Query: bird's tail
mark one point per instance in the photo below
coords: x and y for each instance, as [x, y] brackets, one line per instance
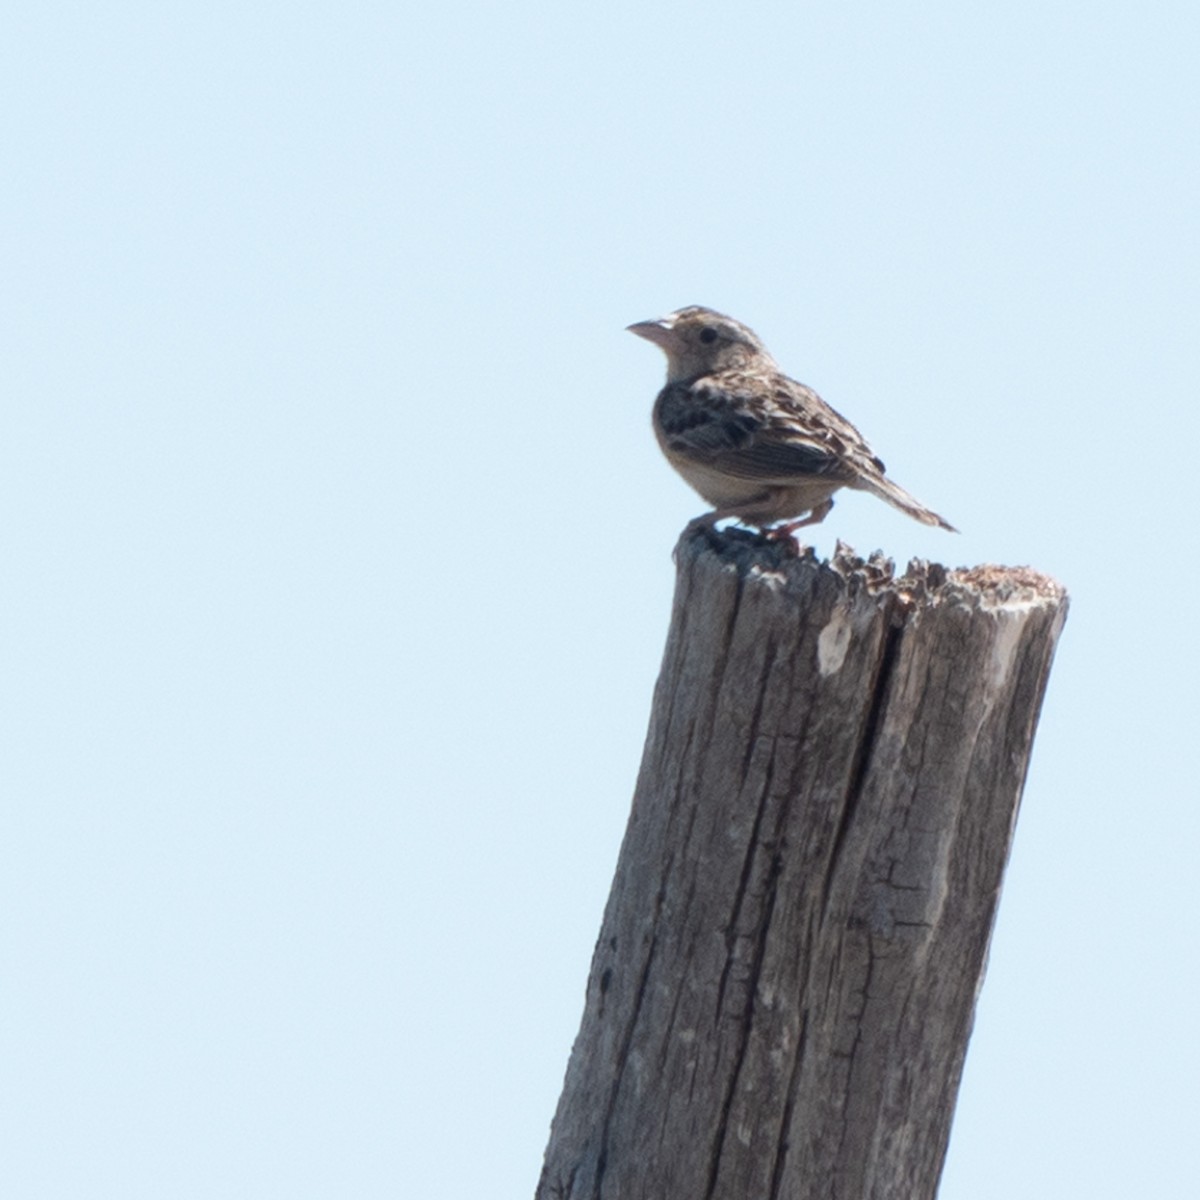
[896, 496]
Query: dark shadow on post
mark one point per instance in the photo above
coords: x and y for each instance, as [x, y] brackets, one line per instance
[784, 983]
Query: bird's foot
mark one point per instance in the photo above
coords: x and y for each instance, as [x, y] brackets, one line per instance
[815, 517]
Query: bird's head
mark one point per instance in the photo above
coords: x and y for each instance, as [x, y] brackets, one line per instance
[698, 341]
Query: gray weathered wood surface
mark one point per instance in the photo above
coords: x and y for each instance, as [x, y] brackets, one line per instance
[783, 987]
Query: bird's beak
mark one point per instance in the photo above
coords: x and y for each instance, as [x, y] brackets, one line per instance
[659, 332]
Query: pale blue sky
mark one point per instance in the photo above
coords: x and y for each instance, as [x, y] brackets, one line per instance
[337, 547]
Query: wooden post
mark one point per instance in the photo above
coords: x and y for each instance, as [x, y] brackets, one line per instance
[784, 983]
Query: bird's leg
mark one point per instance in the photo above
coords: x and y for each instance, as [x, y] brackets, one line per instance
[709, 519]
[815, 517]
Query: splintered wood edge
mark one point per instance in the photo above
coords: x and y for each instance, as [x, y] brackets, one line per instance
[989, 585]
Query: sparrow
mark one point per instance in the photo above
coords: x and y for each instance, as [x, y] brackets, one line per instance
[754, 443]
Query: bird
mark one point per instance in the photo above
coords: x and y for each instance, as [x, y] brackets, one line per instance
[753, 442]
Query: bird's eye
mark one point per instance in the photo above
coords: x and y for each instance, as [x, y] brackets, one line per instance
[708, 335]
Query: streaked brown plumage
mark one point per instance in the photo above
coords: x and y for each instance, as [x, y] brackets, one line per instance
[755, 444]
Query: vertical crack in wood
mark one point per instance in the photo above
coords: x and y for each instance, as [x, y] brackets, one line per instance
[724, 646]
[789, 1108]
[880, 686]
[851, 1057]
[623, 1056]
[747, 1021]
[760, 700]
[752, 848]
[774, 846]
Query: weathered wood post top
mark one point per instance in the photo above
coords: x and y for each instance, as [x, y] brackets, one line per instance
[783, 987]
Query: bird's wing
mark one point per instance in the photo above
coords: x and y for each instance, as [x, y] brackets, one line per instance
[760, 427]
[799, 407]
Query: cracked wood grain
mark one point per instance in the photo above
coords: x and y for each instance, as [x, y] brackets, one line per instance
[783, 987]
